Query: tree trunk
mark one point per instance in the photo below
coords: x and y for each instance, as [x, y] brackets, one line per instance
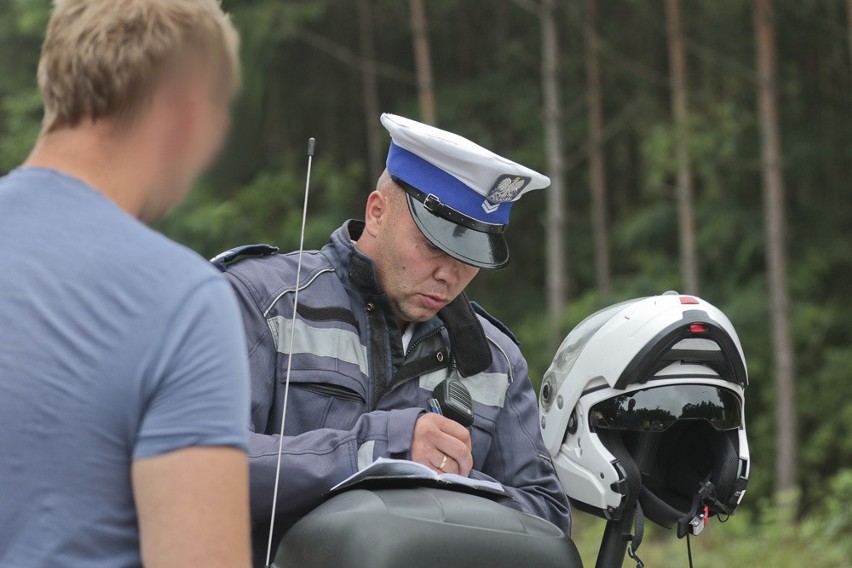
[423, 62]
[369, 88]
[849, 27]
[786, 443]
[686, 216]
[556, 264]
[597, 174]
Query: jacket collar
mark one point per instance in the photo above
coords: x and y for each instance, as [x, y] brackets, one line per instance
[356, 267]
[468, 343]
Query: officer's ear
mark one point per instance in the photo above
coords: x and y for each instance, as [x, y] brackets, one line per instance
[378, 206]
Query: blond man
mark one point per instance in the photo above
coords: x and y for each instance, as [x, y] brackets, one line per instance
[123, 379]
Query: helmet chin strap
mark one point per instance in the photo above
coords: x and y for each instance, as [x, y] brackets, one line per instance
[690, 524]
[694, 521]
[637, 536]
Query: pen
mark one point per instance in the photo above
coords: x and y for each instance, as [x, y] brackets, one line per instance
[435, 406]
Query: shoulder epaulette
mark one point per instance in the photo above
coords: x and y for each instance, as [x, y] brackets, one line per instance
[497, 323]
[225, 259]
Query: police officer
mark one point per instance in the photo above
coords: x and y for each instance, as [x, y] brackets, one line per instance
[382, 319]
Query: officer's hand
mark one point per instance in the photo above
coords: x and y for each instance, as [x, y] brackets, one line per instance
[442, 444]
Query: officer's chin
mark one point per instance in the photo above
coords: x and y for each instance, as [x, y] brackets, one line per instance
[420, 319]
[418, 315]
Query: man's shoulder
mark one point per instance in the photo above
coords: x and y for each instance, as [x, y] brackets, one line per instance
[494, 328]
[166, 263]
[267, 275]
[269, 269]
[505, 347]
[88, 236]
[230, 257]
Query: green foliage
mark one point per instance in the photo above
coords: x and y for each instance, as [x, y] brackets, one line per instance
[21, 28]
[22, 112]
[266, 209]
[759, 537]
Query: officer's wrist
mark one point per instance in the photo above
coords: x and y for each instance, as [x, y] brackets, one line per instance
[401, 430]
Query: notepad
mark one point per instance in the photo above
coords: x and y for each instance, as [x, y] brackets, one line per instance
[391, 473]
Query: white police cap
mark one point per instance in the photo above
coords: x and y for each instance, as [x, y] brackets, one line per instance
[459, 193]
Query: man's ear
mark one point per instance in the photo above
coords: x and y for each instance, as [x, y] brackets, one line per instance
[177, 113]
[377, 208]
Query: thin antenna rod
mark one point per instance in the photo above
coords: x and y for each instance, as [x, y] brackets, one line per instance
[312, 143]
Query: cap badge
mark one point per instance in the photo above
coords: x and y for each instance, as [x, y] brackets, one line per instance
[506, 188]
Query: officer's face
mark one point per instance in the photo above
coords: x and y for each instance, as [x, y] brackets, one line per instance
[418, 278]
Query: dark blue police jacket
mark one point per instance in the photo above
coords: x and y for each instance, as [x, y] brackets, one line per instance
[355, 395]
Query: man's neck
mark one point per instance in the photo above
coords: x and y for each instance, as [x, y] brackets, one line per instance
[95, 156]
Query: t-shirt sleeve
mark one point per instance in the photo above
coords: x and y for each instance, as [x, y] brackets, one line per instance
[199, 392]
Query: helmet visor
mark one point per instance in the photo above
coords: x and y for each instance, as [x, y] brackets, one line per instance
[657, 409]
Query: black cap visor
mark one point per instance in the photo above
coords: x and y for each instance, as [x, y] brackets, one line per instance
[477, 248]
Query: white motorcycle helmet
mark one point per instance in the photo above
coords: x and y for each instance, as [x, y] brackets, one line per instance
[644, 404]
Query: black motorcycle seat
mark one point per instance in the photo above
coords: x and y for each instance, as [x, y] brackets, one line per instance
[422, 527]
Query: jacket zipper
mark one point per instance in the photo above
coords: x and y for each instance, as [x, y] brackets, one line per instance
[377, 379]
[420, 340]
[434, 332]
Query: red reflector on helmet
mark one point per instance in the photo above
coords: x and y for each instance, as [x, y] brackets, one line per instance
[697, 328]
[688, 300]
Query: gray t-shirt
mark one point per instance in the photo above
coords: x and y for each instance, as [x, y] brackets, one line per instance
[115, 344]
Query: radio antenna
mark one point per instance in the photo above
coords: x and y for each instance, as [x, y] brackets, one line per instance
[312, 143]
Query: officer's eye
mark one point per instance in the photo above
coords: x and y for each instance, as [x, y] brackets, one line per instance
[431, 247]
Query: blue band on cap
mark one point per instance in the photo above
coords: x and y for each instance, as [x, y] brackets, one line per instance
[429, 178]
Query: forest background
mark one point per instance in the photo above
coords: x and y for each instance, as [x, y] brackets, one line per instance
[699, 146]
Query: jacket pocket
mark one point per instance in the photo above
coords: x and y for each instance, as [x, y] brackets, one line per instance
[323, 399]
[335, 391]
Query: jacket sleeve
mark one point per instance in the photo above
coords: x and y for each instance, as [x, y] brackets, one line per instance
[312, 462]
[518, 458]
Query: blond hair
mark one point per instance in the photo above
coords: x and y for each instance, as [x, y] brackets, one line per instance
[105, 58]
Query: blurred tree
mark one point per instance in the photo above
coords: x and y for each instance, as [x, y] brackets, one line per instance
[597, 170]
[369, 89]
[849, 28]
[786, 440]
[557, 285]
[423, 62]
[685, 206]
